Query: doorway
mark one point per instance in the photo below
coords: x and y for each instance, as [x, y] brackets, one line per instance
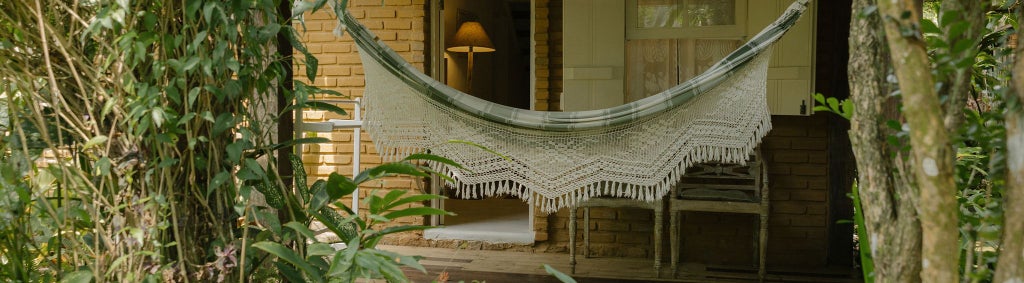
[502, 75]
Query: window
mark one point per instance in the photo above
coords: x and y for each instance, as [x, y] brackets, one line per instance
[613, 57]
[670, 41]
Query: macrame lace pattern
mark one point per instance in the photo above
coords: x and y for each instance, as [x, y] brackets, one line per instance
[640, 159]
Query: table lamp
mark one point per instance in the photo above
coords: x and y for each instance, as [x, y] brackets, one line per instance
[471, 38]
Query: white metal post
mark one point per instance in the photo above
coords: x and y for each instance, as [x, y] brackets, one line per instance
[356, 124]
[356, 151]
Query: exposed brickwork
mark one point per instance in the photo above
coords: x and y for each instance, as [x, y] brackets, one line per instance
[555, 54]
[541, 51]
[548, 49]
[797, 156]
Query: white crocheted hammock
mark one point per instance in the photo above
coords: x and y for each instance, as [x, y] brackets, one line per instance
[555, 159]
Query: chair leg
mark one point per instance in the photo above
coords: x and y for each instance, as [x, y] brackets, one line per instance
[673, 239]
[658, 216]
[762, 247]
[586, 232]
[572, 240]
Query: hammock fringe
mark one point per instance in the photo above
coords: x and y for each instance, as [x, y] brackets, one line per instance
[603, 187]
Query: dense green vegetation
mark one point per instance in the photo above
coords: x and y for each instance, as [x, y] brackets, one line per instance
[933, 84]
[140, 146]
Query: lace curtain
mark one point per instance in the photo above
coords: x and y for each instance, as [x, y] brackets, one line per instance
[654, 65]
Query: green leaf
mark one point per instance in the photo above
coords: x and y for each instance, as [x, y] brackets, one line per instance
[94, 141]
[339, 186]
[318, 90]
[399, 229]
[218, 180]
[833, 103]
[272, 195]
[411, 261]
[103, 166]
[251, 170]
[311, 67]
[208, 11]
[81, 276]
[893, 124]
[318, 196]
[294, 142]
[413, 199]
[390, 197]
[480, 147]
[224, 122]
[191, 63]
[893, 141]
[558, 274]
[929, 27]
[268, 218]
[108, 106]
[320, 249]
[434, 158]
[343, 227]
[847, 109]
[193, 94]
[301, 229]
[963, 45]
[299, 176]
[956, 30]
[415, 211]
[325, 106]
[820, 98]
[289, 256]
[289, 272]
[949, 17]
[383, 264]
[185, 118]
[268, 31]
[344, 260]
[301, 7]
[378, 218]
[388, 169]
[234, 151]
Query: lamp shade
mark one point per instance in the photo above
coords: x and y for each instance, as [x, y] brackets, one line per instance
[471, 34]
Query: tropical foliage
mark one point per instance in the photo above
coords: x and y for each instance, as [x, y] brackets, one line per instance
[969, 54]
[140, 143]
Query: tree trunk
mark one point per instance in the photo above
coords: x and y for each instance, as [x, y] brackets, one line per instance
[956, 85]
[932, 151]
[1011, 259]
[889, 215]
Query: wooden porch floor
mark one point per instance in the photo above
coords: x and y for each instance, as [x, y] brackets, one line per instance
[509, 266]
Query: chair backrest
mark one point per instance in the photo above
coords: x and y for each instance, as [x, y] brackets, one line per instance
[725, 181]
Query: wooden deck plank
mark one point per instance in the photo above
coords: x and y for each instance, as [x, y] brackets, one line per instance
[524, 267]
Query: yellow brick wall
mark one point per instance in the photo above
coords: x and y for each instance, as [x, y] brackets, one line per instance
[548, 50]
[400, 23]
[555, 55]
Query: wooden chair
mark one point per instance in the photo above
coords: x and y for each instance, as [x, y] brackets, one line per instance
[729, 188]
[658, 207]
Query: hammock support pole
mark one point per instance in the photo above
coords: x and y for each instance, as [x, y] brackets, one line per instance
[356, 124]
